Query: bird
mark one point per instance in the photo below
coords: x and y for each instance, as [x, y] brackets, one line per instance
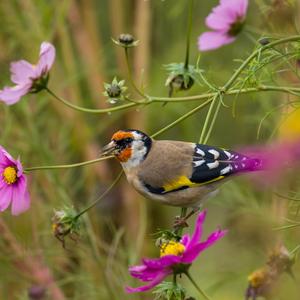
[176, 173]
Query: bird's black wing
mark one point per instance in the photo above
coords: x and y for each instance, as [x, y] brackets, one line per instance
[211, 164]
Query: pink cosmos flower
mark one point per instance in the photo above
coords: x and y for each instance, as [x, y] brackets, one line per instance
[28, 77]
[226, 20]
[13, 184]
[175, 257]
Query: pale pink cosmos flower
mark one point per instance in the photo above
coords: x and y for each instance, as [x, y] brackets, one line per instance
[27, 76]
[13, 184]
[175, 257]
[226, 20]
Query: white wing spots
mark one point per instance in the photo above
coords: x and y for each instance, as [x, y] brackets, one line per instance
[236, 157]
[198, 163]
[225, 170]
[227, 153]
[244, 158]
[214, 152]
[236, 166]
[213, 165]
[243, 165]
[200, 152]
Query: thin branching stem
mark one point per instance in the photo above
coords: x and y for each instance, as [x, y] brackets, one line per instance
[237, 73]
[213, 121]
[101, 196]
[130, 76]
[196, 286]
[75, 165]
[207, 119]
[188, 35]
[89, 110]
[185, 116]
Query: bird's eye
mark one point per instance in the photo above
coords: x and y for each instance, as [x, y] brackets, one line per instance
[128, 140]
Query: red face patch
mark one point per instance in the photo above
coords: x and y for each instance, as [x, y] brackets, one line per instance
[124, 155]
[120, 135]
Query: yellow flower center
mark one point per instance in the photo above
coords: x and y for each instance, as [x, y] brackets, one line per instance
[10, 175]
[257, 278]
[171, 248]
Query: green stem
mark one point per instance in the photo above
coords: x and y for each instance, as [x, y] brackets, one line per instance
[101, 196]
[89, 110]
[201, 139]
[295, 250]
[174, 278]
[196, 286]
[130, 75]
[261, 88]
[188, 36]
[84, 163]
[191, 112]
[213, 121]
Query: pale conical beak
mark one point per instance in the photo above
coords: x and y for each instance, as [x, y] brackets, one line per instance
[108, 149]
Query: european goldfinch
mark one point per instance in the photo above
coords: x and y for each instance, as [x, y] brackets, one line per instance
[174, 172]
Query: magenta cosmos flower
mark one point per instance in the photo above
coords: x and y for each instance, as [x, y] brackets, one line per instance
[226, 20]
[28, 77]
[13, 184]
[175, 257]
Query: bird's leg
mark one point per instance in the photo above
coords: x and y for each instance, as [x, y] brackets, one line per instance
[180, 221]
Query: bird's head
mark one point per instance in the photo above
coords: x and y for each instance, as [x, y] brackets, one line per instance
[129, 146]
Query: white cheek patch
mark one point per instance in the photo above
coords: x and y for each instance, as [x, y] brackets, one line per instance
[138, 153]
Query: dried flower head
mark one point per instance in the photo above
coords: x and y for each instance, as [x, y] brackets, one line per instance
[65, 223]
[260, 283]
[280, 259]
[115, 90]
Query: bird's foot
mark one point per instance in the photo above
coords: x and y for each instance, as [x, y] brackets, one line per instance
[180, 222]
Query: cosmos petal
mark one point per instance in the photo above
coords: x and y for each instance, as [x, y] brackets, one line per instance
[5, 197]
[11, 95]
[21, 72]
[192, 253]
[213, 39]
[20, 197]
[198, 229]
[162, 262]
[47, 57]
[160, 277]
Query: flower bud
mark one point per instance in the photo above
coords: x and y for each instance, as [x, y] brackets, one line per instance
[181, 77]
[115, 90]
[126, 40]
[264, 41]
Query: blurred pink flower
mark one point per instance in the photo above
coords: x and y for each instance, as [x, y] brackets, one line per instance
[276, 160]
[226, 20]
[176, 257]
[28, 77]
[13, 184]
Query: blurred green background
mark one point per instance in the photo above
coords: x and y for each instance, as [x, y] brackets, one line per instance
[118, 232]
